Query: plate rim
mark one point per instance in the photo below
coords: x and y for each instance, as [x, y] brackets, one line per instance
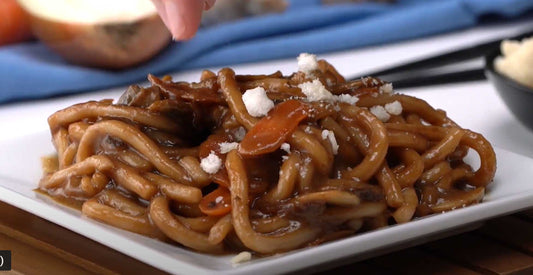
[285, 262]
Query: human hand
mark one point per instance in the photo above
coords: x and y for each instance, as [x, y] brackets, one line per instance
[182, 17]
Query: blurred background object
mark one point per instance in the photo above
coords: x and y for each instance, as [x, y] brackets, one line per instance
[510, 70]
[105, 34]
[14, 25]
[231, 10]
[516, 61]
[329, 2]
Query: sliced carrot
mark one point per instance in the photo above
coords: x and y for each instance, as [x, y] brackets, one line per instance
[221, 177]
[272, 131]
[212, 144]
[216, 203]
[14, 25]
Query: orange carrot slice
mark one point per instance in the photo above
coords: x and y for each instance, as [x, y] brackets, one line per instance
[216, 203]
[272, 131]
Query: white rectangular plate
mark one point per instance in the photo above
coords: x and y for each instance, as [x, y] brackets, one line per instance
[20, 171]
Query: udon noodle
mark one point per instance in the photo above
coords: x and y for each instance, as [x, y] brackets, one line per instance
[189, 163]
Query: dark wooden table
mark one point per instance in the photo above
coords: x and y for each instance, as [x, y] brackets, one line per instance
[501, 246]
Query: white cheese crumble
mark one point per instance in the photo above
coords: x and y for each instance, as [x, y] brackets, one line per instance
[225, 147]
[307, 63]
[241, 257]
[350, 99]
[286, 147]
[325, 134]
[386, 88]
[257, 102]
[380, 112]
[219, 199]
[330, 136]
[394, 108]
[211, 164]
[315, 91]
[365, 81]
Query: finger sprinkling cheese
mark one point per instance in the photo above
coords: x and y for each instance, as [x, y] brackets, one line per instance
[394, 108]
[211, 164]
[380, 112]
[257, 102]
[307, 63]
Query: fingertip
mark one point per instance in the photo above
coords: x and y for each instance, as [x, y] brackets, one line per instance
[182, 34]
[160, 7]
[183, 18]
[209, 4]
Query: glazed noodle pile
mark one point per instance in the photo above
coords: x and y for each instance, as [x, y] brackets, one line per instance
[220, 165]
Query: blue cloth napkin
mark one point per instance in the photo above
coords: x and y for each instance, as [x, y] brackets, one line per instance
[31, 71]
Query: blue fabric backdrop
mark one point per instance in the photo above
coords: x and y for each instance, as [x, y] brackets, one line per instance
[30, 70]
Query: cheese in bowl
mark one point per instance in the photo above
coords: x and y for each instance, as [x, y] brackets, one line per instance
[516, 61]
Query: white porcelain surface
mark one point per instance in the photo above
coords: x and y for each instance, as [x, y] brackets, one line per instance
[511, 191]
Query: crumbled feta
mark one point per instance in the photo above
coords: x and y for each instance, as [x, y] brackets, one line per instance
[225, 147]
[330, 136]
[286, 147]
[394, 108]
[211, 164]
[325, 134]
[257, 102]
[315, 91]
[307, 63]
[380, 112]
[386, 88]
[241, 257]
[365, 81]
[240, 133]
[350, 99]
